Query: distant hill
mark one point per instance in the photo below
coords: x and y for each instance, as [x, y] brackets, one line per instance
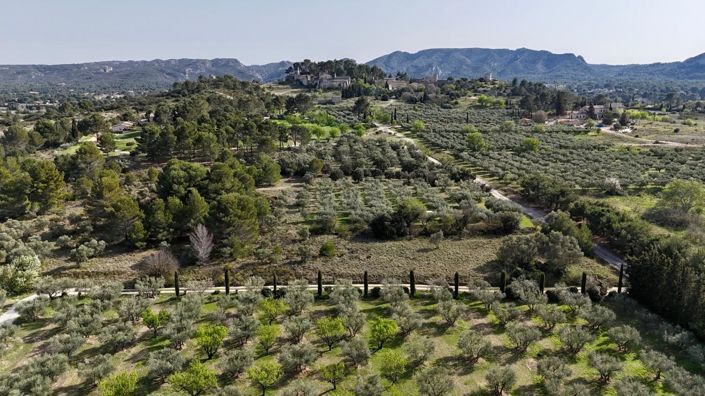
[446, 62]
[132, 75]
[530, 64]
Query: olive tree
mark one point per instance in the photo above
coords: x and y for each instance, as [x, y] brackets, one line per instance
[574, 338]
[450, 311]
[298, 297]
[522, 335]
[236, 361]
[597, 316]
[355, 351]
[94, 369]
[606, 365]
[434, 382]
[418, 350]
[296, 327]
[631, 387]
[473, 346]
[500, 379]
[626, 337]
[163, 363]
[657, 362]
[370, 385]
[295, 357]
[550, 315]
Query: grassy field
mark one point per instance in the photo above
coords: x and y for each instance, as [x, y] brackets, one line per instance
[32, 338]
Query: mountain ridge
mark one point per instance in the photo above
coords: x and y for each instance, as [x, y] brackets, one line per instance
[134, 74]
[528, 63]
[503, 63]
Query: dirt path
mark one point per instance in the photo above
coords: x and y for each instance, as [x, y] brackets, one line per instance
[642, 142]
[11, 315]
[606, 255]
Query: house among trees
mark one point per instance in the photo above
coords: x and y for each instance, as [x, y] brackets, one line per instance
[393, 84]
[327, 81]
[122, 126]
[323, 80]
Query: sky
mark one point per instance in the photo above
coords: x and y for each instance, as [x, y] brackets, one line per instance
[262, 31]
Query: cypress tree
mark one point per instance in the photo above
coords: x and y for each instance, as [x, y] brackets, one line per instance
[226, 274]
[412, 283]
[176, 283]
[583, 283]
[320, 284]
[621, 276]
[542, 281]
[456, 284]
[275, 282]
[365, 284]
[502, 281]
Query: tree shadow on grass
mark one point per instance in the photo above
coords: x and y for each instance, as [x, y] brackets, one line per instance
[456, 363]
[152, 344]
[38, 333]
[77, 389]
[147, 386]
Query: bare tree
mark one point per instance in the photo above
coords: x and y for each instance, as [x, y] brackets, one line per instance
[162, 263]
[201, 243]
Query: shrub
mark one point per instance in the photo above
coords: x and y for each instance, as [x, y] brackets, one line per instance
[327, 249]
[19, 275]
[161, 264]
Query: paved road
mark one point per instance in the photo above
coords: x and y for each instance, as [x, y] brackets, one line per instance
[11, 314]
[606, 255]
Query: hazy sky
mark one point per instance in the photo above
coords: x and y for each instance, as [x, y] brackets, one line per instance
[261, 31]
